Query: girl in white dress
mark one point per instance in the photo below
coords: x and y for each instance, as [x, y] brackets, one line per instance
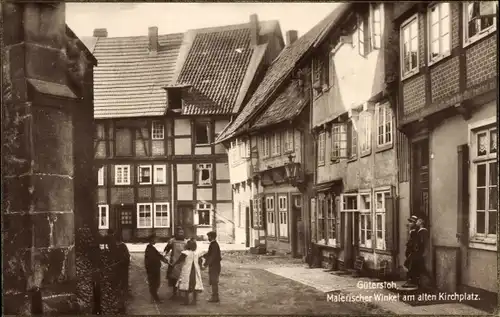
[190, 278]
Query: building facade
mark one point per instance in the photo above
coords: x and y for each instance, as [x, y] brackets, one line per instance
[157, 122]
[270, 146]
[447, 112]
[354, 209]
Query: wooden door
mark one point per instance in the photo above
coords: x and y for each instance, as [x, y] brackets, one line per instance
[126, 222]
[185, 219]
[348, 250]
[297, 227]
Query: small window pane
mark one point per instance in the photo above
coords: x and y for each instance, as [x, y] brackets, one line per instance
[480, 221]
[481, 199]
[493, 198]
[445, 43]
[492, 222]
[414, 29]
[493, 173]
[481, 175]
[493, 141]
[482, 144]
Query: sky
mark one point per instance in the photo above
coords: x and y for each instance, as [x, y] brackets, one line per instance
[133, 19]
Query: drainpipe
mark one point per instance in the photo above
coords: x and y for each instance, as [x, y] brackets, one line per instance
[172, 195]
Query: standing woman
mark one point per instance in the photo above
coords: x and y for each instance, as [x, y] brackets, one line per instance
[190, 278]
[176, 245]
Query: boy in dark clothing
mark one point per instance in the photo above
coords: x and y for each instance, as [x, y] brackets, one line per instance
[212, 260]
[410, 252]
[152, 262]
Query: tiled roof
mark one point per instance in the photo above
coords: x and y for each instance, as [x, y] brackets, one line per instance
[280, 69]
[286, 106]
[129, 80]
[217, 63]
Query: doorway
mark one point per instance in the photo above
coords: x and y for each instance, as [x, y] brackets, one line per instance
[350, 223]
[126, 222]
[185, 219]
[298, 230]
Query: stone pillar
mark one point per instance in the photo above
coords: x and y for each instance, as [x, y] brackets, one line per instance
[38, 160]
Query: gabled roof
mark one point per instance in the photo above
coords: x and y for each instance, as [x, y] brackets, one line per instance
[289, 104]
[219, 63]
[281, 69]
[129, 80]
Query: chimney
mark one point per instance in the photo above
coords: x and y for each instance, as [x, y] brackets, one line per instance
[254, 29]
[153, 38]
[100, 33]
[291, 36]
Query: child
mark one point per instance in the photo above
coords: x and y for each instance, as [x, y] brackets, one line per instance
[190, 278]
[212, 260]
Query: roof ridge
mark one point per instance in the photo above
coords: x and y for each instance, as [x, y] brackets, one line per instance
[228, 27]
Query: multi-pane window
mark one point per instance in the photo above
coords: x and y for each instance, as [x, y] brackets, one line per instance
[330, 219]
[204, 174]
[103, 211]
[271, 224]
[480, 19]
[365, 220]
[203, 214]
[339, 141]
[122, 175]
[484, 180]
[144, 215]
[439, 30]
[409, 46]
[363, 35]
[265, 145]
[258, 215]
[380, 208]
[321, 148]
[283, 216]
[384, 125]
[350, 202]
[276, 144]
[202, 133]
[160, 174]
[288, 136]
[321, 69]
[144, 174]
[100, 176]
[321, 219]
[162, 215]
[158, 130]
[376, 25]
[244, 149]
[365, 138]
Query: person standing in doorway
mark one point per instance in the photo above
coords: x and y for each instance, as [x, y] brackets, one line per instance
[410, 252]
[212, 260]
[152, 262]
[421, 251]
[190, 278]
[175, 246]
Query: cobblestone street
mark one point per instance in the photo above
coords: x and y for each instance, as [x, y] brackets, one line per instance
[245, 287]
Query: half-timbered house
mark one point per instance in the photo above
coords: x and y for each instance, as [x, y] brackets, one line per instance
[447, 97]
[160, 101]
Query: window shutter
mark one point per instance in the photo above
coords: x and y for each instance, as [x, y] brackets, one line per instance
[339, 229]
[463, 193]
[390, 232]
[247, 143]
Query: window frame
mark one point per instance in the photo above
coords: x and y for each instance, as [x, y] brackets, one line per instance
[321, 148]
[383, 213]
[100, 176]
[368, 215]
[330, 220]
[276, 144]
[321, 230]
[468, 40]
[365, 137]
[139, 216]
[374, 8]
[208, 130]
[283, 215]
[352, 140]
[484, 240]
[363, 33]
[444, 54]
[288, 146]
[99, 215]
[343, 202]
[386, 110]
[155, 167]
[139, 171]
[404, 25]
[153, 131]
[155, 216]
[203, 207]
[123, 182]
[199, 168]
[339, 137]
[266, 146]
[270, 212]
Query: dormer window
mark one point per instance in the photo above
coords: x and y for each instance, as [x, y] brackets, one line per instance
[174, 99]
[321, 67]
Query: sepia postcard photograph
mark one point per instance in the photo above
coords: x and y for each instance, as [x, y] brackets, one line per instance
[249, 158]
